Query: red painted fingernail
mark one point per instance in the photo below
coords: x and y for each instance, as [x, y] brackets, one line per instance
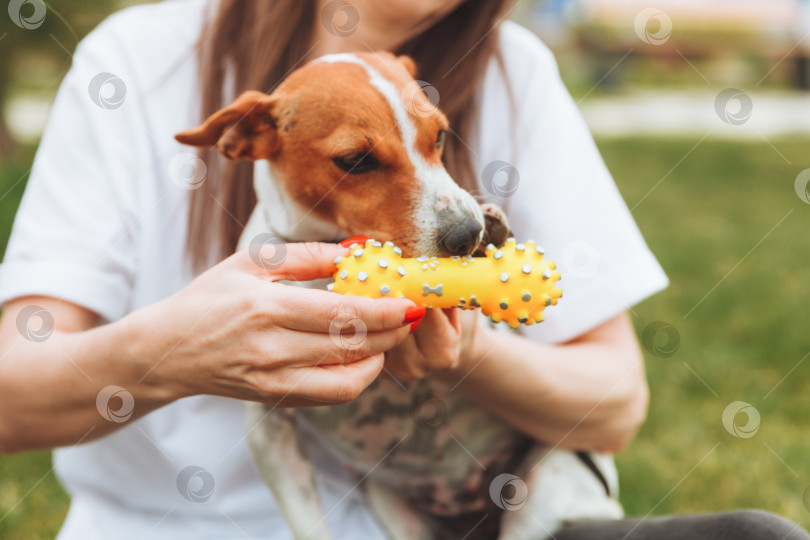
[415, 325]
[414, 313]
[354, 240]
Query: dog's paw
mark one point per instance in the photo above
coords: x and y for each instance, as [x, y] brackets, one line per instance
[496, 227]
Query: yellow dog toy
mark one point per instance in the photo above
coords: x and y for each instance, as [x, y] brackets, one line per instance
[512, 284]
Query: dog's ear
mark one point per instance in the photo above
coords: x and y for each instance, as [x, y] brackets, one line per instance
[409, 64]
[245, 129]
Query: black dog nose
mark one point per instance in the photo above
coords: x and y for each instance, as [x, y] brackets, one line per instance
[461, 239]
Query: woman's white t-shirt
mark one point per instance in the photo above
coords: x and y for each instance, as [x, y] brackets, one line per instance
[103, 224]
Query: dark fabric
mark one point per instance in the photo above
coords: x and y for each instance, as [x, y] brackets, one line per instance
[739, 525]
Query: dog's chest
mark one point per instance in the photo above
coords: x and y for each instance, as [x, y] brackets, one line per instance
[434, 446]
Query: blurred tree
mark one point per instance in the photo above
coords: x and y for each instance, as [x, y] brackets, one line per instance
[37, 40]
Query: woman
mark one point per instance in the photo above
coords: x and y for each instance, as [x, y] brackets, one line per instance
[112, 216]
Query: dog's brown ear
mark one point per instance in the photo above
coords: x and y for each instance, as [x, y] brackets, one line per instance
[408, 63]
[245, 129]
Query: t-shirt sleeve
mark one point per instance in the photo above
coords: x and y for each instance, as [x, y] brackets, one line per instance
[560, 194]
[74, 234]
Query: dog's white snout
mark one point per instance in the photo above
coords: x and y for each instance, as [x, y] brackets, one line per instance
[460, 220]
[452, 222]
[442, 202]
[447, 195]
[459, 202]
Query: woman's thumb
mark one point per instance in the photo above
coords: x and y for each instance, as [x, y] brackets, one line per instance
[295, 262]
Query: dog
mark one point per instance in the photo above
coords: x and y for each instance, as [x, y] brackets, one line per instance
[345, 149]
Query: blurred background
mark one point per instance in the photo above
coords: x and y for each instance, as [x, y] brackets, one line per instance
[702, 112]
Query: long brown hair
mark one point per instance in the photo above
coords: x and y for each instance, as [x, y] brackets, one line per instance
[257, 43]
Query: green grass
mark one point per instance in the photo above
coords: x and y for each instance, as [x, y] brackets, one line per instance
[13, 175]
[32, 501]
[701, 221]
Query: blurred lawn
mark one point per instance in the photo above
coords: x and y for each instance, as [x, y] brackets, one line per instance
[701, 221]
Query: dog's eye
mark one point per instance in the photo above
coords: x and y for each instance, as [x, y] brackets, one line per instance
[440, 139]
[357, 164]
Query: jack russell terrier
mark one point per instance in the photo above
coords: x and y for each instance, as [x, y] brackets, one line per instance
[339, 153]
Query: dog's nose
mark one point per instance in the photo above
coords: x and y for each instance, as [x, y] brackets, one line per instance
[462, 239]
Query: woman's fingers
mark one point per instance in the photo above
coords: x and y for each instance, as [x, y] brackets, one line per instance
[307, 349]
[330, 384]
[453, 317]
[310, 310]
[302, 261]
[403, 362]
[434, 346]
[435, 328]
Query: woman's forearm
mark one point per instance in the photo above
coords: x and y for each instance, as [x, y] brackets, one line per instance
[52, 392]
[587, 394]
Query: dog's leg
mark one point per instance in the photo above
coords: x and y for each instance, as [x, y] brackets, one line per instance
[394, 514]
[284, 466]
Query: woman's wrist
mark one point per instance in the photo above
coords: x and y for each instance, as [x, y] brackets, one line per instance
[141, 356]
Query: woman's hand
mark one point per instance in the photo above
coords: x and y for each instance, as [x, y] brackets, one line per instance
[235, 331]
[439, 344]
